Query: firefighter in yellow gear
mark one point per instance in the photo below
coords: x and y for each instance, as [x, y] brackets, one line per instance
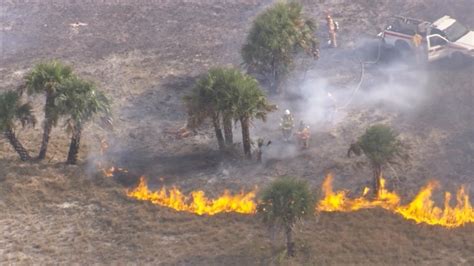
[287, 125]
[332, 29]
[417, 40]
[303, 135]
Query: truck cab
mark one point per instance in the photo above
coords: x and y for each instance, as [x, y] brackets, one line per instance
[445, 37]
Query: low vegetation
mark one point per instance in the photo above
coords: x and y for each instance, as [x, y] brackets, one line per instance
[283, 203]
[382, 146]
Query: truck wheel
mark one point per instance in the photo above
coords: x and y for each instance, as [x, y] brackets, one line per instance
[402, 46]
[404, 50]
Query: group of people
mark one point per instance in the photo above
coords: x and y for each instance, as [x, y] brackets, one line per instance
[287, 125]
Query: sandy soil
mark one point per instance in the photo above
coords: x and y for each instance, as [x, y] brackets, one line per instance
[146, 56]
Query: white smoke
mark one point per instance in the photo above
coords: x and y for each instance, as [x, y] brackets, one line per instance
[398, 86]
[332, 92]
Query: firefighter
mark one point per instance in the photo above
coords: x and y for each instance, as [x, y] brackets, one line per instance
[333, 27]
[417, 41]
[303, 135]
[287, 125]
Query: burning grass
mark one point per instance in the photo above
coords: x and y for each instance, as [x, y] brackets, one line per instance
[112, 170]
[196, 202]
[422, 209]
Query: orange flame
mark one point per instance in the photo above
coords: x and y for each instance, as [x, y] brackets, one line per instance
[112, 170]
[421, 209]
[338, 201]
[109, 172]
[197, 203]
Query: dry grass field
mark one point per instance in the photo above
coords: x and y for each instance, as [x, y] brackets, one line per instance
[146, 56]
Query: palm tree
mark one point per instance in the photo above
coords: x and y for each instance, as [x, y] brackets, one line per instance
[283, 203]
[225, 80]
[275, 37]
[380, 144]
[249, 102]
[79, 101]
[202, 103]
[226, 94]
[11, 110]
[213, 97]
[45, 78]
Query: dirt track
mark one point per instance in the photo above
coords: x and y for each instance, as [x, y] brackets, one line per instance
[146, 57]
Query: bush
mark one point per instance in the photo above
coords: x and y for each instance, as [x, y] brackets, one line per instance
[285, 202]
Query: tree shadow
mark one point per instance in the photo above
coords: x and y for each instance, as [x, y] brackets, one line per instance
[149, 144]
[161, 100]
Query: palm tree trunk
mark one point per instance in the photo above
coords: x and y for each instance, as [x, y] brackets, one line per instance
[47, 127]
[377, 178]
[273, 78]
[290, 246]
[277, 82]
[74, 146]
[10, 135]
[217, 129]
[227, 122]
[245, 123]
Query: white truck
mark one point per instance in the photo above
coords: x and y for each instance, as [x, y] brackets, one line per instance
[445, 37]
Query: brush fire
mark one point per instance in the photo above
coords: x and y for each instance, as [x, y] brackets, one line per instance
[422, 209]
[112, 170]
[196, 202]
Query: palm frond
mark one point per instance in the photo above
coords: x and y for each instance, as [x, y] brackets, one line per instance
[11, 109]
[24, 113]
[79, 100]
[46, 77]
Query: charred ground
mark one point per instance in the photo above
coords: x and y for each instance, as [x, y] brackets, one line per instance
[147, 56]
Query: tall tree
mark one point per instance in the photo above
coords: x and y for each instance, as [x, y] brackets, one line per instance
[226, 95]
[283, 203]
[250, 102]
[203, 103]
[224, 81]
[275, 37]
[381, 145]
[45, 78]
[11, 110]
[79, 101]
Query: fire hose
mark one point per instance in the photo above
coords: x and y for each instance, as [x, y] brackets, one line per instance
[362, 73]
